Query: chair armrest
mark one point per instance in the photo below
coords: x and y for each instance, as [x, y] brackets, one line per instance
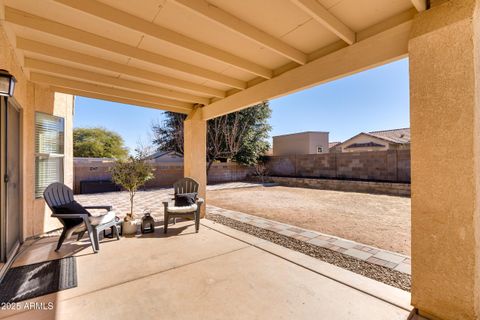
[165, 203]
[70, 216]
[108, 208]
[84, 217]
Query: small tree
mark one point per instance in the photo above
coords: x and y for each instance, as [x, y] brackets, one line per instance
[261, 169]
[131, 174]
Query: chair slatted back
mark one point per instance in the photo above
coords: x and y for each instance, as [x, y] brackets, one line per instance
[185, 185]
[57, 194]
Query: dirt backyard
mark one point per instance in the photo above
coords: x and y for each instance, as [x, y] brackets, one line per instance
[376, 220]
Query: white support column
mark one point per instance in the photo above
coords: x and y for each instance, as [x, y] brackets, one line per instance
[445, 123]
[195, 151]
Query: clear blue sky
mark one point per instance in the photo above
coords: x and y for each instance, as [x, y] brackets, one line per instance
[376, 99]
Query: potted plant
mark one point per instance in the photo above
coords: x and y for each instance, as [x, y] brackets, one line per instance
[131, 174]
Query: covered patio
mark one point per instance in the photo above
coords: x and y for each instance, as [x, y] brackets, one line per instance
[218, 273]
[210, 58]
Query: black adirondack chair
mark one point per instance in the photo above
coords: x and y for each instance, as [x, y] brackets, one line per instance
[184, 185]
[58, 194]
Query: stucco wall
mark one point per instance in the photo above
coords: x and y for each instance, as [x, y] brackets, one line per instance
[31, 97]
[444, 68]
[317, 139]
[300, 143]
[61, 105]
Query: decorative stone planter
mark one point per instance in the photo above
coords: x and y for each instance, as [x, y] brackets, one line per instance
[129, 227]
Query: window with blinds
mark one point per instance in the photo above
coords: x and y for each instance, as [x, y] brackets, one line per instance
[49, 151]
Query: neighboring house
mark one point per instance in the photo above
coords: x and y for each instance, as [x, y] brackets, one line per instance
[333, 147]
[309, 142]
[377, 141]
[166, 156]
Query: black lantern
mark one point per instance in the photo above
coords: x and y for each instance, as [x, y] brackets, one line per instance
[7, 83]
[148, 224]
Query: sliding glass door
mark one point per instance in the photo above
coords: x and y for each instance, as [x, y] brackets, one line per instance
[10, 187]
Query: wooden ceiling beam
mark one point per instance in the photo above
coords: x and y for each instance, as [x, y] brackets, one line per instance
[62, 70]
[376, 50]
[101, 89]
[124, 19]
[61, 30]
[32, 46]
[326, 19]
[226, 20]
[123, 100]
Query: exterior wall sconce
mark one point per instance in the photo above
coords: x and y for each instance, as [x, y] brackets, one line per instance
[7, 83]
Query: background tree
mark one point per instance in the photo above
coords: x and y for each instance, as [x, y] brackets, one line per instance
[168, 135]
[240, 136]
[98, 143]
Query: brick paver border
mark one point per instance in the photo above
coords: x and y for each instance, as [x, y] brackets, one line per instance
[354, 249]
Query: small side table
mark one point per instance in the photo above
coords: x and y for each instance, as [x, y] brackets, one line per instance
[118, 224]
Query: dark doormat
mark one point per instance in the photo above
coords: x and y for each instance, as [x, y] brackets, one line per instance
[34, 280]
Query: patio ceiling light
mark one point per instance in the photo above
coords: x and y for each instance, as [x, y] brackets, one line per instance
[7, 83]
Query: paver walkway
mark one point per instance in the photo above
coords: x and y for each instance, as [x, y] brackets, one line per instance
[151, 201]
[148, 200]
[357, 250]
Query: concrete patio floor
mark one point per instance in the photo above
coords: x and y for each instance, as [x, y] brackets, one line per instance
[151, 201]
[219, 273]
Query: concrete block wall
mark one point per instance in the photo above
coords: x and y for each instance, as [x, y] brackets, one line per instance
[166, 173]
[390, 165]
[375, 187]
[90, 170]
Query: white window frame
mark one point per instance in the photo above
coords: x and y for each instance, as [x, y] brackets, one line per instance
[42, 155]
[321, 149]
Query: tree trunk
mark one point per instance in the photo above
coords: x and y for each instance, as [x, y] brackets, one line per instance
[210, 162]
[131, 203]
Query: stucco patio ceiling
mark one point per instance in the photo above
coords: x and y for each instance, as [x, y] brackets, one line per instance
[221, 54]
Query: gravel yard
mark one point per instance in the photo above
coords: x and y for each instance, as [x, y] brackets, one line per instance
[377, 220]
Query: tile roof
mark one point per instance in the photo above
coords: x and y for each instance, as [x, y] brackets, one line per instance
[333, 144]
[395, 135]
[159, 154]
